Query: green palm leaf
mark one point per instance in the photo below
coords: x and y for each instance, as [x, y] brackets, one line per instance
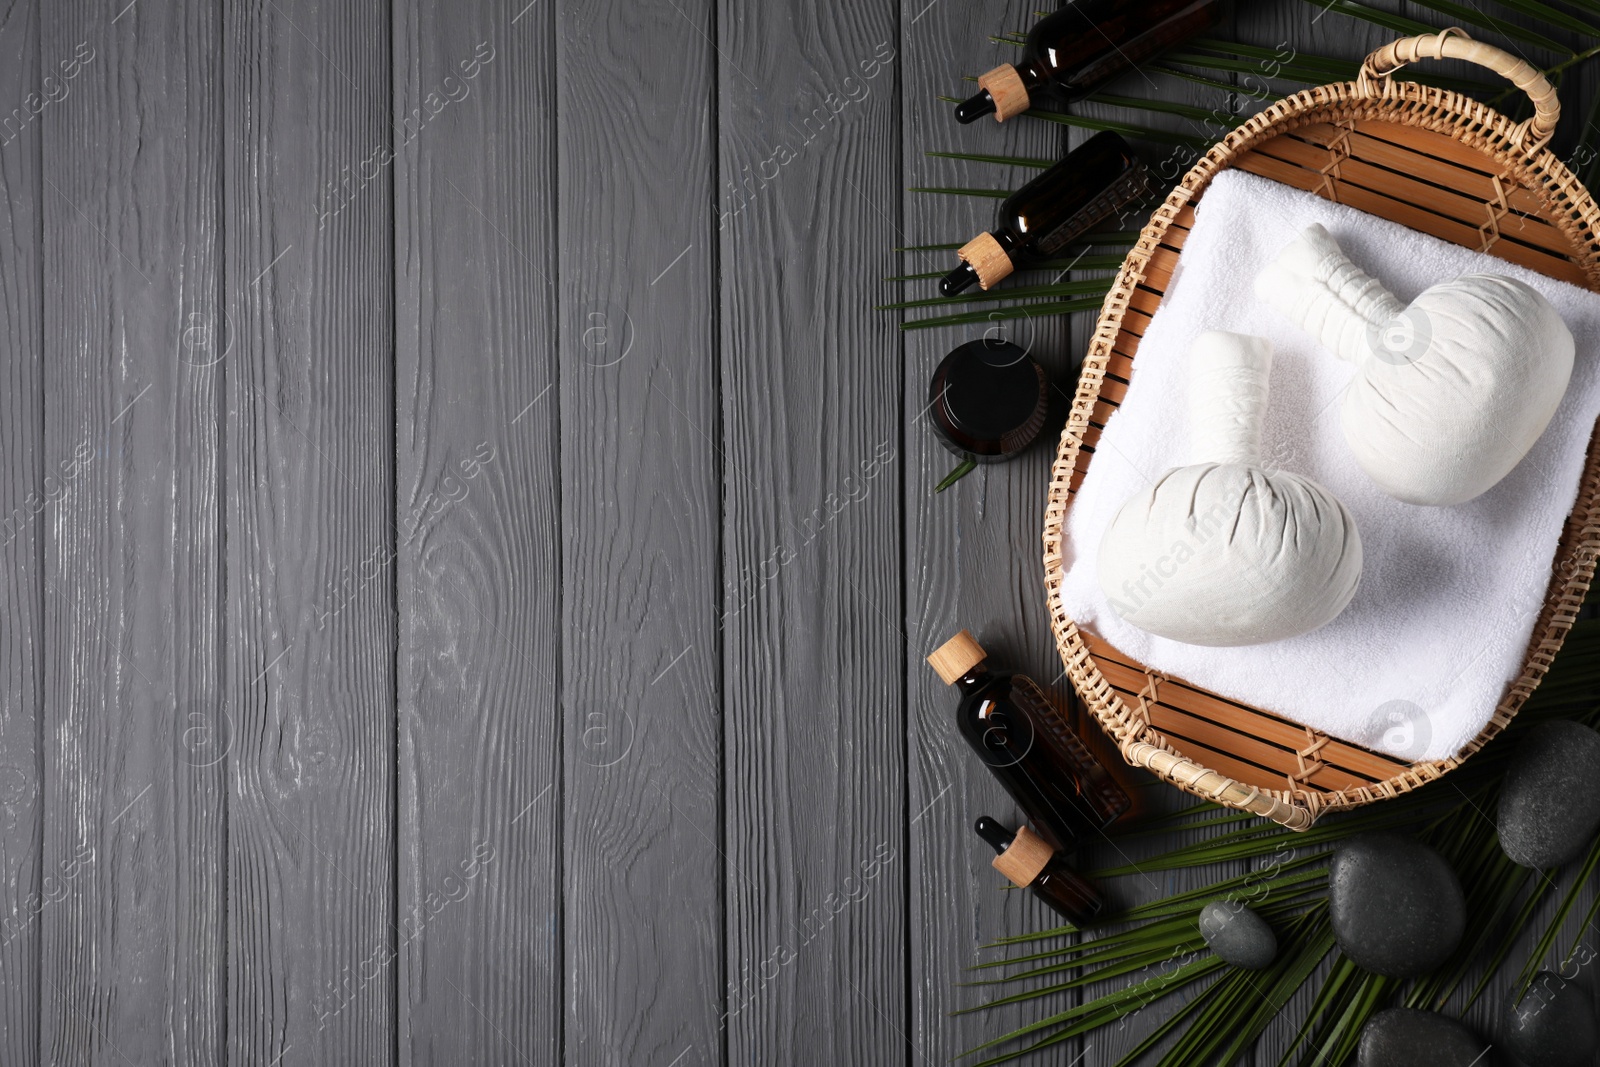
[1009, 161]
[954, 190]
[1097, 286]
[1165, 107]
[1551, 16]
[1468, 15]
[1201, 79]
[1588, 168]
[1002, 314]
[1378, 17]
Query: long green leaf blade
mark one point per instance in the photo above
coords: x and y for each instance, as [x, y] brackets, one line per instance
[1477, 16]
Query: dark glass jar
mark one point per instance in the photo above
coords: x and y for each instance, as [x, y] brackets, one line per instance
[1073, 51]
[1029, 861]
[988, 400]
[1067, 796]
[1085, 187]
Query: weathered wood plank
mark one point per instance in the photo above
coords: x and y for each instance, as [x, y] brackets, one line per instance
[641, 700]
[132, 949]
[24, 504]
[973, 551]
[814, 638]
[477, 517]
[310, 534]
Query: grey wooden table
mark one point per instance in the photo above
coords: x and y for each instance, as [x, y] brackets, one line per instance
[469, 554]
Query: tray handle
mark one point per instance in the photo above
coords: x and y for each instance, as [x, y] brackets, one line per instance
[1453, 43]
[1203, 781]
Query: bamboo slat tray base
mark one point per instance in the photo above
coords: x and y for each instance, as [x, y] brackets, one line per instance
[1254, 746]
[1465, 187]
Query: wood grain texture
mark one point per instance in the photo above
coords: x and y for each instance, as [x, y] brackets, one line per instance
[641, 700]
[131, 918]
[972, 552]
[310, 533]
[22, 522]
[477, 518]
[813, 640]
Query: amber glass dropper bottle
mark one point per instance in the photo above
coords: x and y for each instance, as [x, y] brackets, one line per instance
[1081, 190]
[1072, 51]
[1066, 794]
[1029, 861]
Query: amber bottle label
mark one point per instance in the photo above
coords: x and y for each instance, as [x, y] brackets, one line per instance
[1128, 186]
[1107, 799]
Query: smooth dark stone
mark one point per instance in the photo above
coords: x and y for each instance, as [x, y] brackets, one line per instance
[1406, 1037]
[1549, 806]
[1554, 1026]
[1238, 935]
[1395, 904]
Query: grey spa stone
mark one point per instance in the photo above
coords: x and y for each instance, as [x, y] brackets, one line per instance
[1554, 1026]
[1406, 1037]
[1549, 806]
[1395, 904]
[1238, 935]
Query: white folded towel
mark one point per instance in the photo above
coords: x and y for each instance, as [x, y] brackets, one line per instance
[1415, 666]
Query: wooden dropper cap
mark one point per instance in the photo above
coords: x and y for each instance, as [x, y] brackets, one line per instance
[1022, 854]
[988, 260]
[1006, 88]
[953, 659]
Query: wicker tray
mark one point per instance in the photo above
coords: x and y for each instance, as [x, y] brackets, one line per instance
[1430, 159]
